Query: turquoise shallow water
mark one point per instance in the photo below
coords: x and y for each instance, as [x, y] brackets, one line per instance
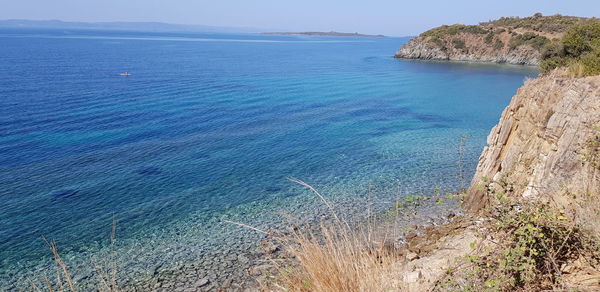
[208, 127]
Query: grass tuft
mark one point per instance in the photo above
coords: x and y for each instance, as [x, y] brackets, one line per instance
[339, 258]
[106, 271]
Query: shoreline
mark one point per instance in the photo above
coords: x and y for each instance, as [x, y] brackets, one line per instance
[232, 267]
[326, 34]
[471, 61]
[260, 264]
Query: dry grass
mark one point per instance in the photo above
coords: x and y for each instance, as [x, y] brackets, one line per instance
[335, 257]
[589, 217]
[63, 282]
[576, 70]
[339, 258]
[106, 271]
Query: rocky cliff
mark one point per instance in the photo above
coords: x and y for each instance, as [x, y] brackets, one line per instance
[546, 145]
[507, 40]
[546, 148]
[468, 47]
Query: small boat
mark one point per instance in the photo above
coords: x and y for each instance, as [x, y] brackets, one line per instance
[125, 74]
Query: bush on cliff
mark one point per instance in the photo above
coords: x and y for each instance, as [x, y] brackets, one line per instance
[445, 30]
[439, 43]
[526, 247]
[591, 63]
[498, 45]
[528, 38]
[489, 38]
[579, 49]
[459, 44]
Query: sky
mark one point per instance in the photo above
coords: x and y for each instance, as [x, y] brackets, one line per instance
[389, 17]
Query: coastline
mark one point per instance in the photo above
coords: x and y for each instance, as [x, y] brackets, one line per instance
[171, 242]
[470, 61]
[325, 34]
[192, 250]
[205, 266]
[258, 262]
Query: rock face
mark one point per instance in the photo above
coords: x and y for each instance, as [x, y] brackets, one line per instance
[430, 257]
[475, 50]
[546, 145]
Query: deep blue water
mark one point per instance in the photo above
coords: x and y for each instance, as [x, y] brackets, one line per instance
[210, 125]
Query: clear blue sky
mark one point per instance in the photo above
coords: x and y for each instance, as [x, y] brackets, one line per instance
[391, 17]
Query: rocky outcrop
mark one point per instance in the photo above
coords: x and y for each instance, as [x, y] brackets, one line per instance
[512, 40]
[546, 145]
[429, 257]
[475, 49]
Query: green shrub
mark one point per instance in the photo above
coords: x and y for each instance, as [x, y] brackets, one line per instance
[439, 43]
[446, 30]
[529, 38]
[582, 38]
[552, 49]
[534, 244]
[538, 22]
[489, 38]
[591, 63]
[538, 42]
[531, 242]
[498, 45]
[549, 64]
[459, 44]
[579, 47]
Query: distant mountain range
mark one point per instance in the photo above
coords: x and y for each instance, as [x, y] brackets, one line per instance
[331, 33]
[125, 26]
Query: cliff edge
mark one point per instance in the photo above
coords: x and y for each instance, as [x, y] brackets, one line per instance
[545, 151]
[546, 145]
[534, 196]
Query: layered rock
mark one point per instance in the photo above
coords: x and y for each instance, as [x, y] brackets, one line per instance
[546, 145]
[475, 49]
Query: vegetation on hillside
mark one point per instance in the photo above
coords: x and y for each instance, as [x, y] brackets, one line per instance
[550, 24]
[579, 50]
[563, 41]
[528, 38]
[537, 22]
[498, 45]
[459, 44]
[454, 29]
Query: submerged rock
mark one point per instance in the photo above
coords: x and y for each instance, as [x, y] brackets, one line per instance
[149, 170]
[201, 283]
[64, 193]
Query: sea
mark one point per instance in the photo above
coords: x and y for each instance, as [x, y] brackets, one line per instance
[210, 128]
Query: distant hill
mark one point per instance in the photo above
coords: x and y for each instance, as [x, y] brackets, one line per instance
[512, 40]
[125, 26]
[331, 33]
